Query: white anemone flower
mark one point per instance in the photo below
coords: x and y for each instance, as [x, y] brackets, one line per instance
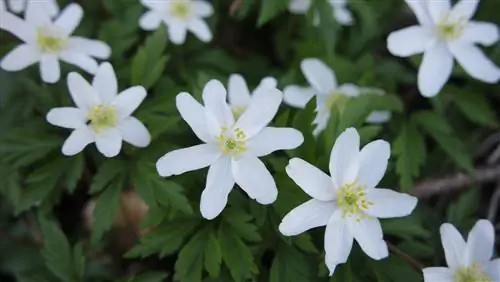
[347, 202]
[18, 6]
[469, 261]
[231, 147]
[179, 16]
[102, 115]
[339, 9]
[239, 95]
[444, 34]
[48, 41]
[323, 85]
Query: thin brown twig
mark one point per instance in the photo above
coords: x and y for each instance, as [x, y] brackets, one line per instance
[430, 187]
[411, 261]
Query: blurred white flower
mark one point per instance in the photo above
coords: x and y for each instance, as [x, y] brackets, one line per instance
[232, 147]
[339, 9]
[347, 202]
[323, 85]
[18, 6]
[467, 261]
[446, 33]
[101, 115]
[48, 41]
[179, 16]
[239, 95]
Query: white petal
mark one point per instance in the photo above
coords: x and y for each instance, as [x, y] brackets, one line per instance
[261, 110]
[438, 274]
[70, 18]
[51, 7]
[373, 160]
[219, 183]
[80, 60]
[237, 90]
[77, 141]
[252, 176]
[50, 68]
[321, 120]
[188, 159]
[18, 27]
[267, 82]
[82, 92]
[344, 158]
[310, 214]
[493, 269]
[297, 96]
[480, 243]
[409, 41]
[438, 9]
[17, 6]
[338, 240]
[368, 233]
[150, 20]
[203, 8]
[36, 15]
[129, 100]
[387, 203]
[299, 6]
[105, 83]
[349, 90]
[194, 114]
[319, 75]
[475, 63]
[153, 4]
[271, 139]
[200, 28]
[214, 98]
[109, 142]
[378, 117]
[453, 245]
[67, 117]
[20, 58]
[134, 132]
[177, 32]
[435, 70]
[94, 48]
[483, 33]
[419, 8]
[464, 9]
[343, 16]
[312, 180]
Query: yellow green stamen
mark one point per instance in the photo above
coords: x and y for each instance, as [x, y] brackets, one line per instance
[102, 117]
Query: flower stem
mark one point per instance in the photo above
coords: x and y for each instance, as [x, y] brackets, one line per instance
[411, 261]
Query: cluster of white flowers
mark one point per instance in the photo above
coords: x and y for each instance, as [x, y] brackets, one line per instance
[233, 125]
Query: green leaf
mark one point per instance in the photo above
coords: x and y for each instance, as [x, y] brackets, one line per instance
[394, 269]
[290, 265]
[462, 212]
[106, 207]
[430, 121]
[236, 254]
[108, 172]
[475, 107]
[79, 260]
[386, 103]
[240, 221]
[189, 264]
[409, 147]
[355, 112]
[74, 172]
[212, 256]
[270, 9]
[172, 195]
[149, 62]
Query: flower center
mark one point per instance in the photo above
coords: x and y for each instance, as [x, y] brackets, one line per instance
[232, 141]
[50, 41]
[102, 117]
[181, 9]
[351, 198]
[450, 28]
[473, 273]
[334, 98]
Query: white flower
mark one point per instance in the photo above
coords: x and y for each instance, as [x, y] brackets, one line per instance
[18, 6]
[446, 33]
[48, 41]
[179, 16]
[101, 115]
[339, 10]
[239, 95]
[469, 261]
[323, 85]
[231, 147]
[347, 202]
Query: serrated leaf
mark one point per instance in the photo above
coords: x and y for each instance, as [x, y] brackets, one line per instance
[149, 277]
[290, 265]
[109, 171]
[236, 254]
[74, 172]
[409, 147]
[462, 212]
[270, 9]
[305, 243]
[106, 208]
[171, 194]
[240, 222]
[189, 264]
[431, 121]
[212, 256]
[355, 112]
[475, 107]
